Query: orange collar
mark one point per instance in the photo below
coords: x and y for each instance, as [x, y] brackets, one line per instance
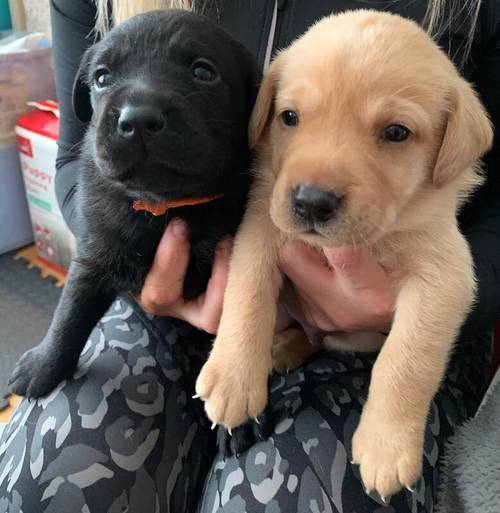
[158, 209]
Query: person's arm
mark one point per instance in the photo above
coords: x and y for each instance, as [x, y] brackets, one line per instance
[484, 239]
[72, 34]
[481, 219]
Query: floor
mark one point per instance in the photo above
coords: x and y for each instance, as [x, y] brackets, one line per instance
[28, 296]
[7, 412]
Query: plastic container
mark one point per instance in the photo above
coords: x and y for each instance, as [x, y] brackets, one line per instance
[15, 225]
[26, 74]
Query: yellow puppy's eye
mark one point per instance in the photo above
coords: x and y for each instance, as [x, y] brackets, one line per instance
[290, 118]
[395, 133]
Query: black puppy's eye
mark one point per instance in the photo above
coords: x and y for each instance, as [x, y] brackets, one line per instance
[204, 71]
[290, 118]
[102, 78]
[395, 133]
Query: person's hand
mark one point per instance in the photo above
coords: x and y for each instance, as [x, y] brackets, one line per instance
[162, 290]
[343, 289]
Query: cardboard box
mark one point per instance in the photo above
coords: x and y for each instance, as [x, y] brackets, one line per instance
[36, 135]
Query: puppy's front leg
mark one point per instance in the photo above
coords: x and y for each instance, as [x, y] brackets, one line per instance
[83, 302]
[388, 443]
[233, 382]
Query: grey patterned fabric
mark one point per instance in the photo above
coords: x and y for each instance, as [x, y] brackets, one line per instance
[304, 467]
[124, 434]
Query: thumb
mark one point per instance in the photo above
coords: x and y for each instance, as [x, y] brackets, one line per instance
[165, 280]
[356, 266]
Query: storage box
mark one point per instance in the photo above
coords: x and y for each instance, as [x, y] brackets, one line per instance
[36, 135]
[15, 225]
[25, 74]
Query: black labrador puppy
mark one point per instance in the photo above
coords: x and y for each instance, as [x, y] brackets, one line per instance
[168, 95]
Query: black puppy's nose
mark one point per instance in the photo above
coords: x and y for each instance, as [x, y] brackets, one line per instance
[314, 205]
[142, 121]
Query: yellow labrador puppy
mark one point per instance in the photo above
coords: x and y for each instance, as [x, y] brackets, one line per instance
[366, 136]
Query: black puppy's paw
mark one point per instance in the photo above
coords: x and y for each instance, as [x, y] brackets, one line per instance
[37, 373]
[245, 436]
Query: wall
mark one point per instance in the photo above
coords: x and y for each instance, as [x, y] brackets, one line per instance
[37, 15]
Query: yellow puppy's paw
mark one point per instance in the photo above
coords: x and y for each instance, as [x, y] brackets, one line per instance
[291, 349]
[389, 455]
[233, 391]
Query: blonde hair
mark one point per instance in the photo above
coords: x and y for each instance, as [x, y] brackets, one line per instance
[440, 15]
[124, 9]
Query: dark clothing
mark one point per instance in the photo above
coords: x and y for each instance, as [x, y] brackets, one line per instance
[124, 434]
[250, 22]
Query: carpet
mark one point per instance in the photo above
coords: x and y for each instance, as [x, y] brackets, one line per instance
[27, 302]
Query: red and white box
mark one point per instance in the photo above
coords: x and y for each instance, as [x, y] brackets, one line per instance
[36, 134]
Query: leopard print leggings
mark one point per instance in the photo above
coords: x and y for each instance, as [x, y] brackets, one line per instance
[124, 434]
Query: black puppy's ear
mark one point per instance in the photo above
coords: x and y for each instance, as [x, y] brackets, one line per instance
[82, 106]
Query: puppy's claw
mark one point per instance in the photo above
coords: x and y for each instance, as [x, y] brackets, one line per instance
[411, 489]
[214, 425]
[256, 420]
[367, 491]
[196, 396]
[385, 500]
[229, 430]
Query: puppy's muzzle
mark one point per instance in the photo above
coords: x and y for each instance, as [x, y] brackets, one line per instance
[140, 122]
[311, 205]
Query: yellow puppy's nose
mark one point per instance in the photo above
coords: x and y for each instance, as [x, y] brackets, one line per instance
[314, 205]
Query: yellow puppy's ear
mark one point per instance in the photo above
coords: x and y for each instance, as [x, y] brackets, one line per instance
[264, 103]
[468, 135]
